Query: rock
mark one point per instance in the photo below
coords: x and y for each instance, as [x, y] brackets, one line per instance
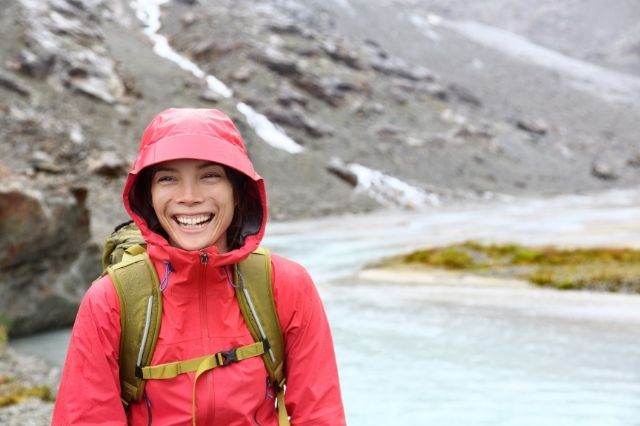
[109, 164]
[64, 46]
[537, 127]
[243, 74]
[389, 132]
[296, 118]
[602, 170]
[287, 27]
[366, 108]
[211, 96]
[398, 68]
[329, 89]
[340, 53]
[465, 95]
[188, 19]
[341, 170]
[76, 135]
[4, 171]
[288, 97]
[211, 50]
[469, 130]
[12, 85]
[37, 65]
[43, 162]
[95, 82]
[634, 161]
[278, 61]
[46, 258]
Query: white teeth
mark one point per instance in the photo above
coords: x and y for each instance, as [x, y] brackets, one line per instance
[193, 221]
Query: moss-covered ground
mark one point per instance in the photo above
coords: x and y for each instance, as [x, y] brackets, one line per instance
[604, 269]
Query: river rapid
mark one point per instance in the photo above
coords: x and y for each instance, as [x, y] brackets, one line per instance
[455, 350]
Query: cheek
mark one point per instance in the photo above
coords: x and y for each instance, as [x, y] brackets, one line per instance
[157, 200]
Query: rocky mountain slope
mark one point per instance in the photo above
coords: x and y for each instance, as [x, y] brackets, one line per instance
[379, 104]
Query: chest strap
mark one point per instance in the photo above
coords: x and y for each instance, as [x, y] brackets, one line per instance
[200, 365]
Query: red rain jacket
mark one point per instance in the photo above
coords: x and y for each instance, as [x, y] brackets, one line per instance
[201, 316]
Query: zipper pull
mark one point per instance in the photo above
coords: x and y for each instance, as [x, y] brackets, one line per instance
[204, 258]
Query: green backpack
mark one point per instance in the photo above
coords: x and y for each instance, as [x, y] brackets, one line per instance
[138, 288]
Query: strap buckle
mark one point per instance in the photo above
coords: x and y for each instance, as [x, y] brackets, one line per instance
[226, 357]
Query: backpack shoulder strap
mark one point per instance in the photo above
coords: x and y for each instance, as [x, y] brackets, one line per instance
[138, 288]
[255, 296]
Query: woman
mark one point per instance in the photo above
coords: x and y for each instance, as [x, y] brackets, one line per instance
[194, 195]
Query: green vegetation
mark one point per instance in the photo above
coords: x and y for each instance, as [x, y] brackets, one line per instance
[12, 392]
[4, 332]
[606, 269]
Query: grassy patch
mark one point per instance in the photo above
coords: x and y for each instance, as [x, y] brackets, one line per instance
[606, 269]
[12, 392]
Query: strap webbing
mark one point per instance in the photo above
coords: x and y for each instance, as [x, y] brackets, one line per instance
[203, 364]
[283, 417]
[172, 369]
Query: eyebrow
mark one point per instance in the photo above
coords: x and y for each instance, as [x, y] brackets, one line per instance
[204, 165]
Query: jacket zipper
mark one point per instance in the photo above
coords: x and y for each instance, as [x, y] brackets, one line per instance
[204, 330]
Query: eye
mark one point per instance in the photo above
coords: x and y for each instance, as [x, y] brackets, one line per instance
[214, 173]
[165, 178]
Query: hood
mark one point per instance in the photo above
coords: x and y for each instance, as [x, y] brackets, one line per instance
[201, 134]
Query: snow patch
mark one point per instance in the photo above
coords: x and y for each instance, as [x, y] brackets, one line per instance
[269, 132]
[426, 26]
[148, 12]
[390, 191]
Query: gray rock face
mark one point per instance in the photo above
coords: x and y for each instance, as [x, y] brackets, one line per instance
[46, 258]
[61, 41]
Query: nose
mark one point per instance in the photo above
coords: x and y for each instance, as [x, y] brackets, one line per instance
[190, 193]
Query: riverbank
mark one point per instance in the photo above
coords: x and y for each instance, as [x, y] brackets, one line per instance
[468, 290]
[27, 386]
[611, 268]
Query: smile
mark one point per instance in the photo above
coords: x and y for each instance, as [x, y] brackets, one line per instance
[193, 221]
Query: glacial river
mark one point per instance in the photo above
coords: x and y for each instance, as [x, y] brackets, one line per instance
[458, 351]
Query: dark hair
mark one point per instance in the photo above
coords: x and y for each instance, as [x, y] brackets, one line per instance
[247, 215]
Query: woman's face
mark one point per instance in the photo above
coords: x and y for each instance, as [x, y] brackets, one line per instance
[194, 202]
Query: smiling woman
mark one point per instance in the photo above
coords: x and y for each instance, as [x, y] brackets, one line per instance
[201, 209]
[194, 202]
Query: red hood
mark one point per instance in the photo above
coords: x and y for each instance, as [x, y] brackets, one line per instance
[203, 134]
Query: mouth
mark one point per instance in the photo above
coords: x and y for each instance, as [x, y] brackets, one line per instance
[193, 222]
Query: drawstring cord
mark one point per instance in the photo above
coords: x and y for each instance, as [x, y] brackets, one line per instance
[231, 281]
[168, 269]
[148, 402]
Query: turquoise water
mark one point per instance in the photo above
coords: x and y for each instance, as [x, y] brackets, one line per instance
[458, 353]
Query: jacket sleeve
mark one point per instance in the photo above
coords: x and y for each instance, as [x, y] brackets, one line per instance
[89, 392]
[313, 394]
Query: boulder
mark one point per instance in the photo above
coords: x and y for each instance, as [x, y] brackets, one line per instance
[61, 45]
[287, 97]
[46, 258]
[537, 126]
[278, 61]
[108, 164]
[328, 89]
[398, 68]
[296, 118]
[243, 73]
[464, 94]
[11, 84]
[288, 27]
[602, 170]
[340, 53]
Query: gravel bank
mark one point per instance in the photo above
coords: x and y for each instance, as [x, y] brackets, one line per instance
[21, 370]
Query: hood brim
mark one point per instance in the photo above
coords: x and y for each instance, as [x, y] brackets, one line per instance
[197, 147]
